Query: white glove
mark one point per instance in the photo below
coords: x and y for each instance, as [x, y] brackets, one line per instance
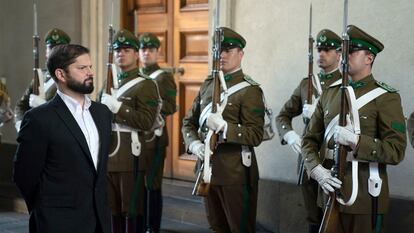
[216, 122]
[35, 100]
[197, 148]
[345, 135]
[17, 125]
[308, 110]
[113, 104]
[327, 182]
[294, 141]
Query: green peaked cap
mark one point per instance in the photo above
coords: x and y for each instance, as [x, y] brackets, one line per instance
[125, 38]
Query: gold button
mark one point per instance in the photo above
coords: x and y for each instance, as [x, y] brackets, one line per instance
[375, 140]
[127, 110]
[239, 134]
[239, 125]
[283, 126]
[374, 152]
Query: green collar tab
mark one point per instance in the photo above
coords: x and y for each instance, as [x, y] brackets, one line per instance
[356, 84]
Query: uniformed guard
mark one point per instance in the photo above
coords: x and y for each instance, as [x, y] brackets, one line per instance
[232, 198]
[328, 45]
[380, 141]
[135, 105]
[29, 100]
[5, 111]
[410, 129]
[149, 52]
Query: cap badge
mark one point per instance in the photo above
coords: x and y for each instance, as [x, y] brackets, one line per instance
[121, 39]
[322, 38]
[55, 37]
[147, 39]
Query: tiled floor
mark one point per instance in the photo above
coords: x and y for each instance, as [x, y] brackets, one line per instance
[11, 222]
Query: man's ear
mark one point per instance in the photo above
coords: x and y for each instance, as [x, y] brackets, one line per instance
[60, 75]
[370, 58]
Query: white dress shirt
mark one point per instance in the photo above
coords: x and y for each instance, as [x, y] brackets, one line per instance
[85, 121]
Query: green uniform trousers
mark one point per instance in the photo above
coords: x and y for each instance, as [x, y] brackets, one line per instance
[232, 208]
[360, 223]
[126, 194]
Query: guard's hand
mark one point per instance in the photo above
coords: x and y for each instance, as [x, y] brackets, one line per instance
[345, 135]
[308, 110]
[113, 104]
[197, 148]
[17, 125]
[294, 141]
[216, 122]
[327, 182]
[35, 100]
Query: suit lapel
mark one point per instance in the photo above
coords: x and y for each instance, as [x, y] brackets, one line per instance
[68, 119]
[97, 119]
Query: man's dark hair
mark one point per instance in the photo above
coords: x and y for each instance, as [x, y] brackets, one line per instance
[62, 56]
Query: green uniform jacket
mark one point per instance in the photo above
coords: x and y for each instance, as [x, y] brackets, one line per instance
[293, 107]
[244, 114]
[138, 111]
[22, 106]
[410, 129]
[168, 92]
[382, 140]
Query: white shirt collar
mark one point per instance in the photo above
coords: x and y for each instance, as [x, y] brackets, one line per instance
[72, 104]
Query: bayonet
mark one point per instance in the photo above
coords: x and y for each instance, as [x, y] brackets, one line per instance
[36, 39]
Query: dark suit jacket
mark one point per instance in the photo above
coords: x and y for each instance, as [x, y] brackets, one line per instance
[54, 171]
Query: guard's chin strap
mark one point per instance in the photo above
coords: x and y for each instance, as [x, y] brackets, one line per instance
[207, 171]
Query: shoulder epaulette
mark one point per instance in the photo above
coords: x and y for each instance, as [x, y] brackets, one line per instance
[248, 79]
[145, 76]
[386, 87]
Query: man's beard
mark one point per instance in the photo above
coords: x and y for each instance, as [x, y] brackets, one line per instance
[81, 88]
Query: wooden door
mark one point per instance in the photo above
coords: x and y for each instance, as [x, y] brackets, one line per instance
[182, 27]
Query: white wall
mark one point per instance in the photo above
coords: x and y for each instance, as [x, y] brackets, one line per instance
[16, 31]
[276, 56]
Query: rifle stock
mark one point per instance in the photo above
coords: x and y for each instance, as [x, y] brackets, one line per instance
[36, 83]
[201, 188]
[330, 221]
[309, 90]
[109, 75]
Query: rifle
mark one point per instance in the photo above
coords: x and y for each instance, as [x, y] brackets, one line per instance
[201, 187]
[109, 74]
[310, 89]
[330, 220]
[36, 82]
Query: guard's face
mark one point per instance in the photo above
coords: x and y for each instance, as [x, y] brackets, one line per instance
[328, 59]
[79, 75]
[359, 61]
[126, 58]
[148, 56]
[230, 59]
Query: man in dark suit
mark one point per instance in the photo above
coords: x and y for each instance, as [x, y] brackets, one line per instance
[61, 161]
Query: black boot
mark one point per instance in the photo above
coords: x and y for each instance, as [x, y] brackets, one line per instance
[155, 211]
[313, 228]
[140, 220]
[116, 221]
[130, 224]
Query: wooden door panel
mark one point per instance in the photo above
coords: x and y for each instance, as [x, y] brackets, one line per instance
[190, 53]
[182, 27]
